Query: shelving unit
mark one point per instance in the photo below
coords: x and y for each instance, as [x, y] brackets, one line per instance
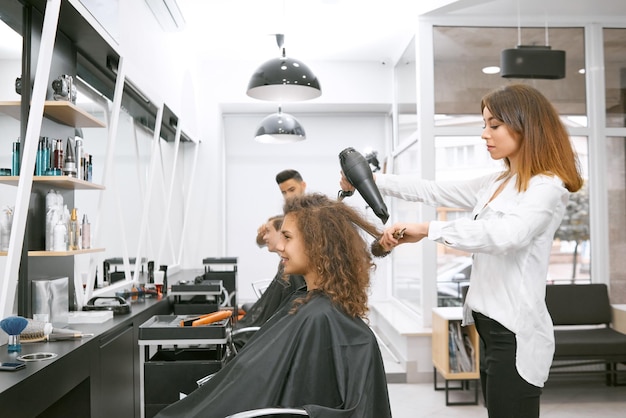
[61, 263]
[63, 112]
[442, 317]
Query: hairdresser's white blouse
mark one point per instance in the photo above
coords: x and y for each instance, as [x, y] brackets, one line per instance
[510, 238]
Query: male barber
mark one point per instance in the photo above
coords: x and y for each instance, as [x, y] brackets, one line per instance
[290, 183]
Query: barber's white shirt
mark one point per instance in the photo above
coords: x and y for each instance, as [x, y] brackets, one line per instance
[510, 238]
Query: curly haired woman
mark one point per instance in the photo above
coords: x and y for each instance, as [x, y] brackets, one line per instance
[316, 353]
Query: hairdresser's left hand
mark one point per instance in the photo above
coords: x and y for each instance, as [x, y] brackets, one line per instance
[401, 233]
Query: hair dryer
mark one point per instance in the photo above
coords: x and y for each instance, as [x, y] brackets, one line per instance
[357, 170]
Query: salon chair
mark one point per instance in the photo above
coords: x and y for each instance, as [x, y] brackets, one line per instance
[232, 346]
[260, 286]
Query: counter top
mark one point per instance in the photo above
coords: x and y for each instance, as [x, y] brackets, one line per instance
[76, 361]
[63, 348]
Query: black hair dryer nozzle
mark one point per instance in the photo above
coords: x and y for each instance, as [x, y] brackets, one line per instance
[357, 170]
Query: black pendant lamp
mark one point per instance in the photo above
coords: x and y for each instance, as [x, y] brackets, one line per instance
[279, 128]
[283, 79]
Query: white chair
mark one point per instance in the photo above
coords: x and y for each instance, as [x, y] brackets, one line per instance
[263, 412]
[260, 286]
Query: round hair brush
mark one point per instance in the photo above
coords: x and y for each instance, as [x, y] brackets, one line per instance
[379, 251]
[13, 326]
[36, 331]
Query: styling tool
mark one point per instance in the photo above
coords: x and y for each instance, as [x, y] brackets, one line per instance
[62, 336]
[189, 321]
[37, 331]
[378, 250]
[211, 318]
[357, 171]
[14, 325]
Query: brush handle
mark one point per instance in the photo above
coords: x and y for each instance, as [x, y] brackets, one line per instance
[67, 336]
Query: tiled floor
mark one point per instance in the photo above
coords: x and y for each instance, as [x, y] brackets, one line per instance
[578, 397]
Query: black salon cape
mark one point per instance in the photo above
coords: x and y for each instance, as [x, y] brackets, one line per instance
[277, 293]
[272, 299]
[318, 358]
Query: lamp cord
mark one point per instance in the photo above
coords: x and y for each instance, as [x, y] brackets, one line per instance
[519, 26]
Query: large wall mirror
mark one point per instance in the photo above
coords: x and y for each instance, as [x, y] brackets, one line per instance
[137, 217]
[10, 70]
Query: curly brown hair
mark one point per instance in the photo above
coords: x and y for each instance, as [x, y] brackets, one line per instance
[336, 248]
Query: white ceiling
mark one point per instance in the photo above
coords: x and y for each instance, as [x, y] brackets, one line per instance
[314, 29]
[355, 30]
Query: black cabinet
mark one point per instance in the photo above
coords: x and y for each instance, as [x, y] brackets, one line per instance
[115, 396]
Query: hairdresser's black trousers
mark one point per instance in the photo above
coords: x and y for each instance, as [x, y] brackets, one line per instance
[506, 394]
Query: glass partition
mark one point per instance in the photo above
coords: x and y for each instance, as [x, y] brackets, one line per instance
[615, 171]
[407, 283]
[615, 77]
[462, 55]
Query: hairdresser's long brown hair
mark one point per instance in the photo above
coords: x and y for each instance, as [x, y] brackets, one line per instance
[336, 249]
[545, 146]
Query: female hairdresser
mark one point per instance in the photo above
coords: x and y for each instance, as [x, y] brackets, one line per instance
[316, 352]
[515, 214]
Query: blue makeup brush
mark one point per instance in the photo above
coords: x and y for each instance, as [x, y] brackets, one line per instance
[13, 326]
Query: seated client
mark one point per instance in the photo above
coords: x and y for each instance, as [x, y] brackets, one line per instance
[280, 289]
[316, 352]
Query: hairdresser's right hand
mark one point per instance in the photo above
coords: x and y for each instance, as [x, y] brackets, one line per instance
[344, 184]
[402, 232]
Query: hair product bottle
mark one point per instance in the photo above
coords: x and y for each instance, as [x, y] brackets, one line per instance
[15, 164]
[69, 164]
[86, 233]
[57, 155]
[60, 236]
[46, 156]
[78, 156]
[74, 233]
[40, 167]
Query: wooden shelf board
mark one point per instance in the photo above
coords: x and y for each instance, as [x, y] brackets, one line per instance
[58, 253]
[63, 112]
[63, 253]
[61, 182]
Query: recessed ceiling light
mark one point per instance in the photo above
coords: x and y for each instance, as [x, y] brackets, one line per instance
[491, 70]
[581, 71]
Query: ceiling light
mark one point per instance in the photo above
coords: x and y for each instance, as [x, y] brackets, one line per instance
[279, 128]
[283, 79]
[493, 69]
[532, 61]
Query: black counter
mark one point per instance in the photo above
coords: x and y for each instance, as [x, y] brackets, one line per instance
[90, 377]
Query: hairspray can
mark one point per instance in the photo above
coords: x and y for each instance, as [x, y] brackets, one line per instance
[78, 155]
